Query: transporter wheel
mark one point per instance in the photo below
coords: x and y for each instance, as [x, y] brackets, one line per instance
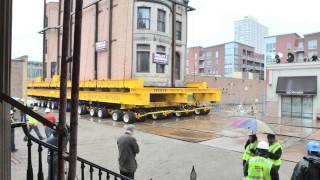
[82, 110]
[116, 115]
[54, 105]
[102, 113]
[49, 104]
[178, 114]
[197, 112]
[93, 112]
[205, 112]
[129, 117]
[155, 116]
[43, 104]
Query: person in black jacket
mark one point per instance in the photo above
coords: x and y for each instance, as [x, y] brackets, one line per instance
[309, 167]
[128, 149]
[275, 150]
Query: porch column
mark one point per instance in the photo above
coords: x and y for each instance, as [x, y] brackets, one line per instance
[5, 60]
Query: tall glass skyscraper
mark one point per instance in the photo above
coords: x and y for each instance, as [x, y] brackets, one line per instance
[249, 31]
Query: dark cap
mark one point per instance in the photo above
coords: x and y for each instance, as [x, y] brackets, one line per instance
[271, 136]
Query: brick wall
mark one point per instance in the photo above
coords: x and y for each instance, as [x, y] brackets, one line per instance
[235, 91]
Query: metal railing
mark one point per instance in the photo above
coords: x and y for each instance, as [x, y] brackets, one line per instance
[102, 173]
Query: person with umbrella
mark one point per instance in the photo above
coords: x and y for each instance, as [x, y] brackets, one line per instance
[250, 147]
[275, 150]
[309, 167]
[260, 167]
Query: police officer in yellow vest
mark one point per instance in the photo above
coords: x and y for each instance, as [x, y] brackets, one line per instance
[275, 150]
[250, 147]
[259, 166]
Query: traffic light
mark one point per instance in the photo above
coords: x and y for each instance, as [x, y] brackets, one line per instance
[290, 57]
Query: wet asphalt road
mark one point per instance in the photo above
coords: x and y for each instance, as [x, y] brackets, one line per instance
[169, 148]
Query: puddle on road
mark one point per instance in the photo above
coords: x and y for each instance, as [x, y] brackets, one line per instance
[214, 130]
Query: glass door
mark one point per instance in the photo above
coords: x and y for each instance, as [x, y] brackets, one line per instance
[286, 106]
[296, 106]
[307, 107]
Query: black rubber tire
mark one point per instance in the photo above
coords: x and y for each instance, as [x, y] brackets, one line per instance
[116, 115]
[129, 117]
[82, 110]
[205, 112]
[102, 113]
[49, 104]
[93, 112]
[197, 112]
[43, 104]
[156, 116]
[54, 105]
[178, 114]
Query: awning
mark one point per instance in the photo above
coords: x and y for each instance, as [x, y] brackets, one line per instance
[302, 85]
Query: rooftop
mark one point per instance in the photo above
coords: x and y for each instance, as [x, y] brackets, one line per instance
[287, 34]
[291, 66]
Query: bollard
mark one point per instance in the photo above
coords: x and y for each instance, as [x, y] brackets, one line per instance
[193, 175]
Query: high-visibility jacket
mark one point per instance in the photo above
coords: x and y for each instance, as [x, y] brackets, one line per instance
[32, 121]
[274, 148]
[259, 168]
[247, 154]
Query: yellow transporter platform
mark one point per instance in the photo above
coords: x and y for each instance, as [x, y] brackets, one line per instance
[129, 99]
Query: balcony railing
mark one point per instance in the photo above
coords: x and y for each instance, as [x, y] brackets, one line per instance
[102, 173]
[299, 49]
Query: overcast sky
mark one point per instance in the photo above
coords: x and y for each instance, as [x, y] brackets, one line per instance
[210, 24]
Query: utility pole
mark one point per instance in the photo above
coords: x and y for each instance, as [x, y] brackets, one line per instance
[75, 91]
[96, 38]
[58, 39]
[110, 39]
[173, 48]
[44, 45]
[63, 90]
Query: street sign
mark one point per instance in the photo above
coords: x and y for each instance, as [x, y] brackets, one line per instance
[101, 46]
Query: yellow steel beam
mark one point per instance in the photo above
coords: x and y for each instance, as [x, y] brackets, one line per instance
[153, 90]
[132, 83]
[106, 97]
[197, 85]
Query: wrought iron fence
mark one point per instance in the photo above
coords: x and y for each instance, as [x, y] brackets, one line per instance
[87, 168]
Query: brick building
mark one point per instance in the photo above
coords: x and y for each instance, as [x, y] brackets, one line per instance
[123, 39]
[226, 60]
[302, 47]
